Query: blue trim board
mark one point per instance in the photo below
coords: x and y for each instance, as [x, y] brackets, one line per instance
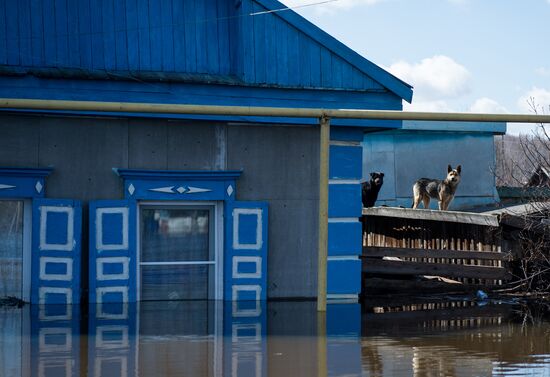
[188, 175]
[347, 134]
[23, 182]
[179, 184]
[497, 128]
[344, 238]
[346, 162]
[344, 320]
[344, 200]
[343, 276]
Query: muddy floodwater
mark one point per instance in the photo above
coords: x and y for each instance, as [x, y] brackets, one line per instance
[382, 337]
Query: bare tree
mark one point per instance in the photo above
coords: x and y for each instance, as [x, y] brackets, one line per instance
[524, 161]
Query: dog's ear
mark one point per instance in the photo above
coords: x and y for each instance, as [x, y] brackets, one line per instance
[449, 168]
[372, 174]
[459, 169]
[381, 175]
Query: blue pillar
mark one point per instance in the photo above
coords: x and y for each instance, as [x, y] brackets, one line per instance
[344, 210]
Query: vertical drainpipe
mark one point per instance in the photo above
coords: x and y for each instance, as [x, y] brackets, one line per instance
[324, 123]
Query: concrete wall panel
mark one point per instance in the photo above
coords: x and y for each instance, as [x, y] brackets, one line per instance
[19, 138]
[147, 140]
[83, 151]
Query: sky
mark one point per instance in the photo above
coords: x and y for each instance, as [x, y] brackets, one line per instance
[488, 56]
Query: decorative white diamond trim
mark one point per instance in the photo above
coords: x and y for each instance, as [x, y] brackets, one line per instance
[166, 190]
[2, 186]
[38, 187]
[230, 190]
[180, 190]
[131, 189]
[195, 190]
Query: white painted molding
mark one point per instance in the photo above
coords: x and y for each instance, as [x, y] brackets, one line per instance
[236, 311]
[99, 362]
[45, 347]
[344, 181]
[343, 258]
[99, 228]
[70, 241]
[100, 291]
[246, 275]
[43, 291]
[68, 276]
[38, 187]
[343, 220]
[124, 275]
[349, 143]
[63, 317]
[3, 186]
[237, 245]
[166, 190]
[196, 190]
[102, 343]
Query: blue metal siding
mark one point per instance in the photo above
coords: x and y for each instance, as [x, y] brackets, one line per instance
[122, 35]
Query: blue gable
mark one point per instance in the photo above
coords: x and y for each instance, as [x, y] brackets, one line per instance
[201, 41]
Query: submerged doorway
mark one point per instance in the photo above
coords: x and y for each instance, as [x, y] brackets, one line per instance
[177, 257]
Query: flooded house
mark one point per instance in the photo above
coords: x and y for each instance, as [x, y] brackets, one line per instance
[113, 207]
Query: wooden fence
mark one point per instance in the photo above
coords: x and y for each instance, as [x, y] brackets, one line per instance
[459, 245]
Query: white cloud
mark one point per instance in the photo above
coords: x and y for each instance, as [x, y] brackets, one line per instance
[541, 98]
[329, 5]
[436, 106]
[543, 71]
[435, 78]
[487, 106]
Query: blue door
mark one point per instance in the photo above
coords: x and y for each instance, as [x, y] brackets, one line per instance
[56, 251]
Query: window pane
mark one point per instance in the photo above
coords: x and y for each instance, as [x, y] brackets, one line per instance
[175, 235]
[11, 248]
[176, 282]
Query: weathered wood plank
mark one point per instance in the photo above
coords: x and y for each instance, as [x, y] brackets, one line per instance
[108, 34]
[433, 215]
[432, 253]
[380, 266]
[61, 33]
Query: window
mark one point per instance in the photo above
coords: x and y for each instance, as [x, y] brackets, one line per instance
[177, 252]
[12, 249]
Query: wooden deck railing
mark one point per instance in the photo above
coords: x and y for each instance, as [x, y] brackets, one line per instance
[460, 245]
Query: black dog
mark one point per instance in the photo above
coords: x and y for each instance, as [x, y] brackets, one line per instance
[370, 189]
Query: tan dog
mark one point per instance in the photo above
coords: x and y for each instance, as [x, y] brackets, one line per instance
[443, 191]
